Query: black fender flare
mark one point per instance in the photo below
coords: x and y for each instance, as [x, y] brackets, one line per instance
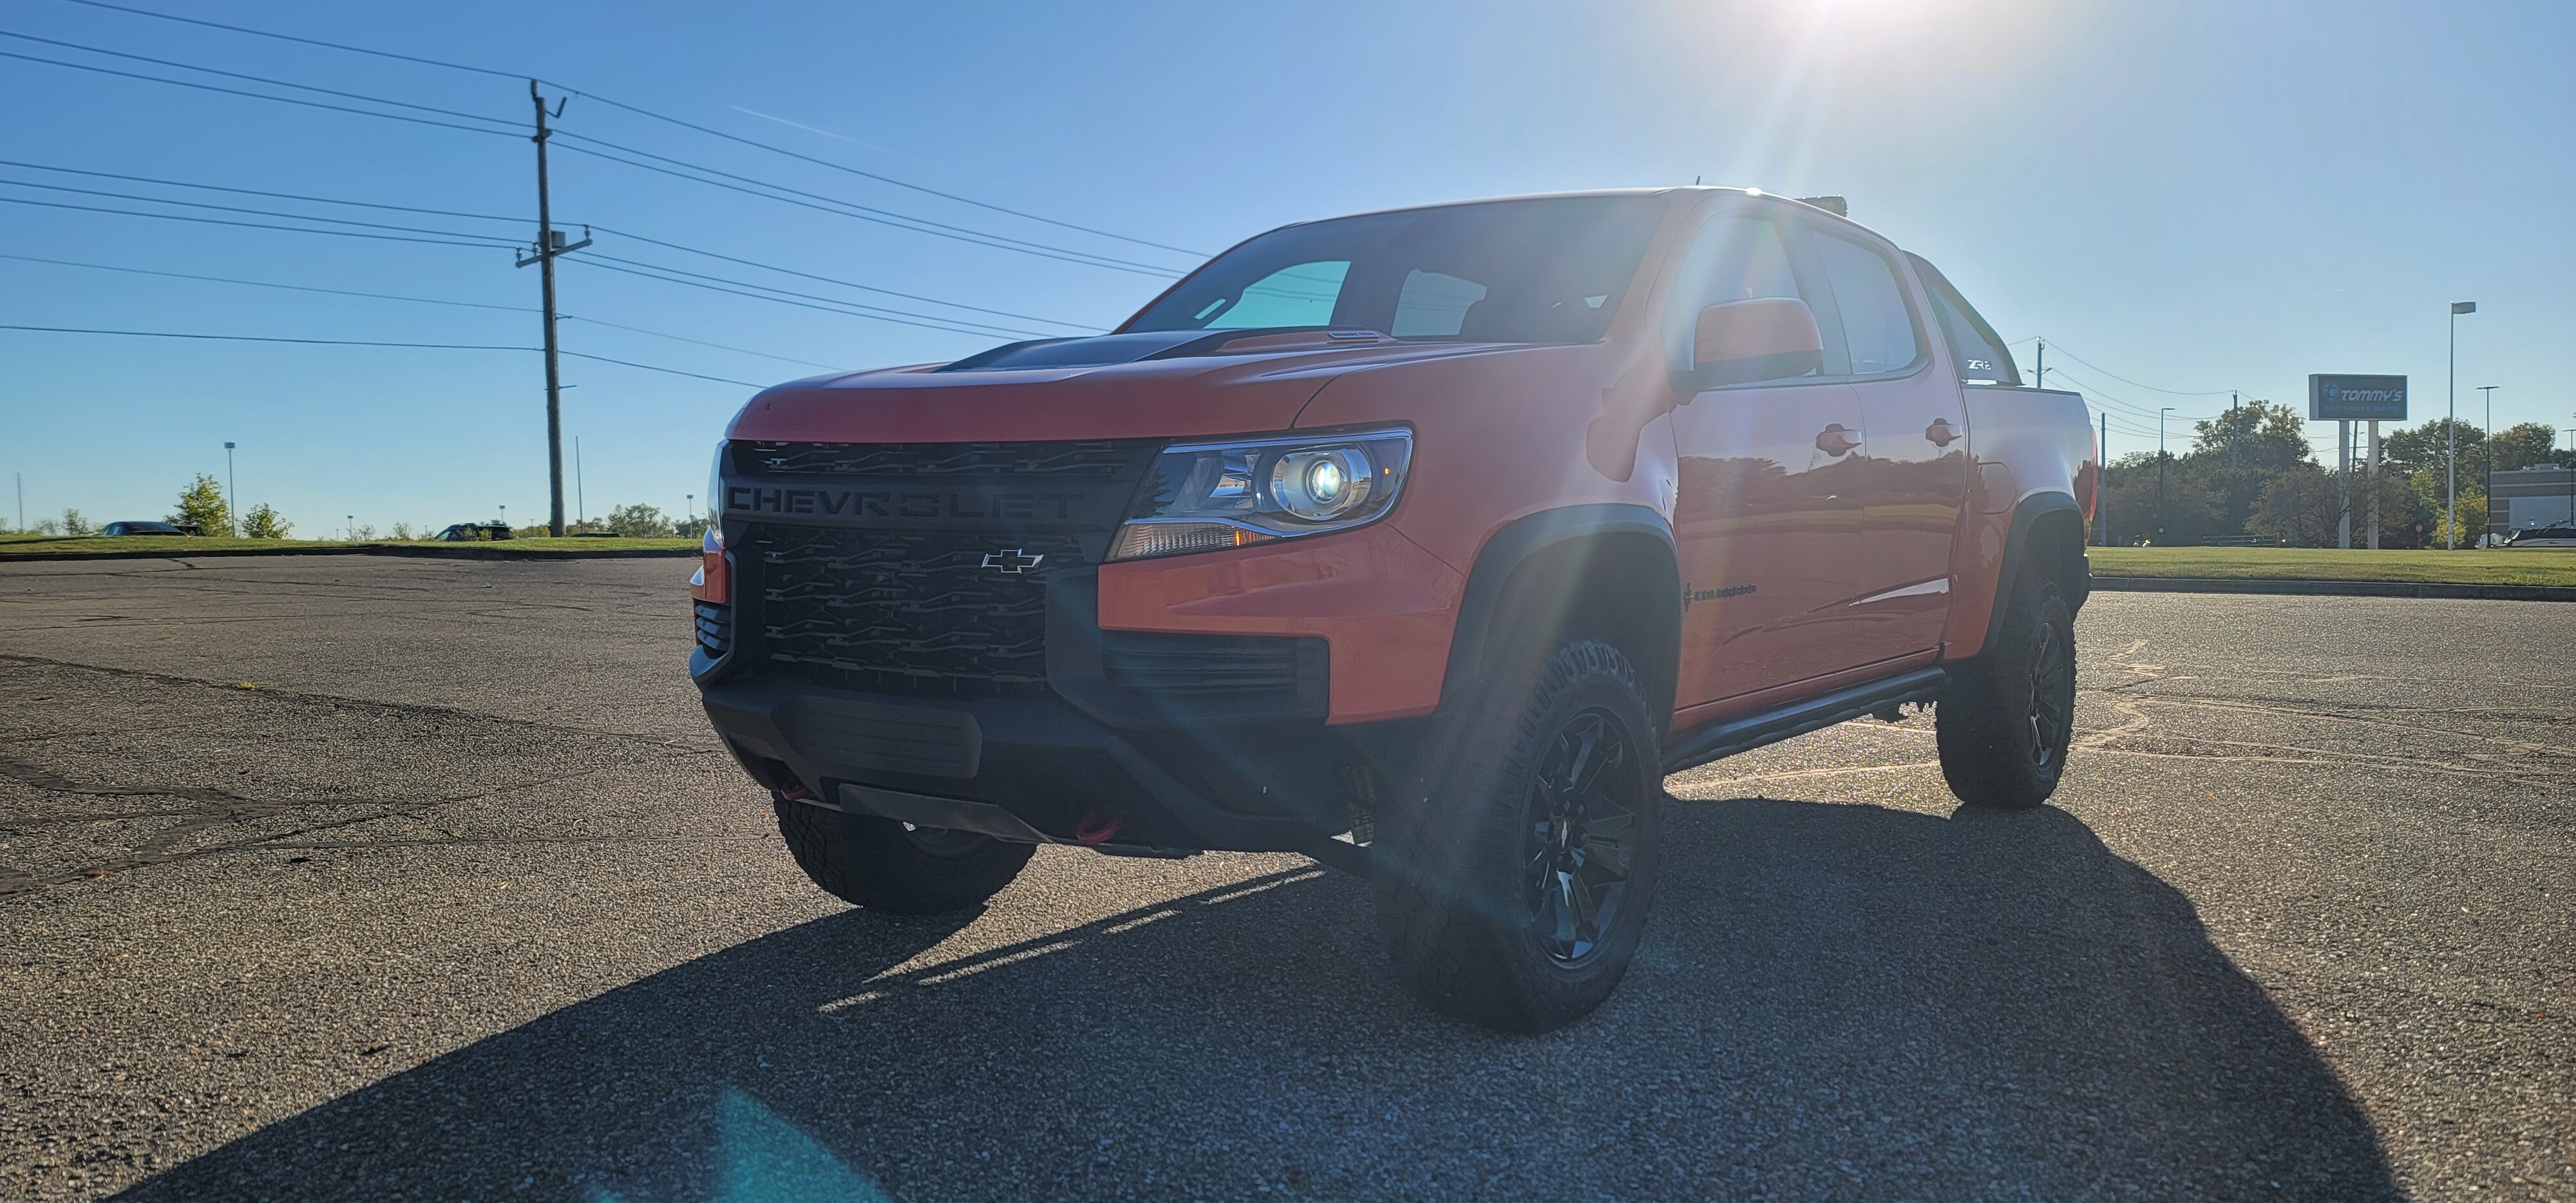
[2075, 585]
[1525, 538]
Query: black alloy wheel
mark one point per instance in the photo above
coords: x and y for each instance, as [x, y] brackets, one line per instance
[2052, 697]
[1577, 853]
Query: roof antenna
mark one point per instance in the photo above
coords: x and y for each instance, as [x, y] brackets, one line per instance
[1695, 181]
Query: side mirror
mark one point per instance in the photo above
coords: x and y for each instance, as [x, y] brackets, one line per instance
[1768, 338]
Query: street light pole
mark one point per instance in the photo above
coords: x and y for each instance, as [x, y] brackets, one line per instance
[2451, 436]
[232, 505]
[2160, 470]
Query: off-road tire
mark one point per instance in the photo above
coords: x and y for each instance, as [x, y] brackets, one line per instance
[883, 865]
[1459, 862]
[2006, 721]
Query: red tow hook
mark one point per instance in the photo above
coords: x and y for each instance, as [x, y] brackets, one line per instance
[1096, 829]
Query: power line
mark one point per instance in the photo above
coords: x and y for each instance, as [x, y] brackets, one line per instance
[288, 37]
[310, 104]
[142, 12]
[260, 79]
[217, 221]
[961, 323]
[1026, 317]
[882, 178]
[2149, 387]
[383, 296]
[319, 200]
[158, 200]
[343, 292]
[832, 307]
[841, 208]
[844, 208]
[571, 317]
[355, 342]
[327, 200]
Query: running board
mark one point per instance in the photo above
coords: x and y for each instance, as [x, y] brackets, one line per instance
[1798, 718]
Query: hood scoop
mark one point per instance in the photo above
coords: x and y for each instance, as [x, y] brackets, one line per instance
[1105, 350]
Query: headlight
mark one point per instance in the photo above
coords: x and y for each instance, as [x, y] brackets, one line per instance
[714, 540]
[1209, 496]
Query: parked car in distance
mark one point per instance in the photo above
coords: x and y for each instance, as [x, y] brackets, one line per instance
[1424, 543]
[2544, 536]
[473, 532]
[149, 528]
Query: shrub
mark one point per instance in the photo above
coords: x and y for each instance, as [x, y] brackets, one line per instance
[75, 524]
[261, 522]
[639, 522]
[403, 532]
[201, 505]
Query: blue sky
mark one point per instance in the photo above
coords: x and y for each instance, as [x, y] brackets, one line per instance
[2194, 196]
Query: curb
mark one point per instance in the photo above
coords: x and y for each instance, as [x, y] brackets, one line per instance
[465, 552]
[2183, 584]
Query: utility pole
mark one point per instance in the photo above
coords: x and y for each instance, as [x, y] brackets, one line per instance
[549, 245]
[2042, 371]
[2343, 485]
[2488, 527]
[2160, 471]
[2451, 435]
[2373, 477]
[232, 505]
[2102, 469]
[22, 501]
[580, 508]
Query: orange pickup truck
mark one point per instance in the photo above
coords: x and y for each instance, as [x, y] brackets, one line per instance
[1422, 542]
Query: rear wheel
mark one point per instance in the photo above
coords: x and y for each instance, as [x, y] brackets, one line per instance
[1514, 884]
[895, 867]
[2009, 716]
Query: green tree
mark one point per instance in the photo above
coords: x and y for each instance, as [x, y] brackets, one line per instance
[639, 522]
[75, 524]
[2526, 445]
[2428, 446]
[261, 522]
[201, 505]
[2261, 436]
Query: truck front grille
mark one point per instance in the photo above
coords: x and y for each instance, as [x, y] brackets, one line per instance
[1100, 459]
[926, 613]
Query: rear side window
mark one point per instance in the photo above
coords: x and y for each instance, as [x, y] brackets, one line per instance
[1981, 355]
[1736, 257]
[1877, 326]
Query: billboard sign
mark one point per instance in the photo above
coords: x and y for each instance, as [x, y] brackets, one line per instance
[2356, 398]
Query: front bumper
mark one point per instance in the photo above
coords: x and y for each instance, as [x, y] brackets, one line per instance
[1038, 769]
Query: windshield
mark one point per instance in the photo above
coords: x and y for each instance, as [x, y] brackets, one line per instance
[1541, 271]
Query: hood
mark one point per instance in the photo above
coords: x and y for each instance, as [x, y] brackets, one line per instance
[1179, 384]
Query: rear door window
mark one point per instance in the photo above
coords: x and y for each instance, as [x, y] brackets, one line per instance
[1980, 355]
[1878, 326]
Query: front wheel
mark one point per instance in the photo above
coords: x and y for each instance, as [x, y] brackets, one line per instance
[2005, 725]
[895, 867]
[1515, 880]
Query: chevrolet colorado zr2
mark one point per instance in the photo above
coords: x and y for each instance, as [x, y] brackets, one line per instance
[1424, 543]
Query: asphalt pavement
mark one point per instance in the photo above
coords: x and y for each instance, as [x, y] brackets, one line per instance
[371, 878]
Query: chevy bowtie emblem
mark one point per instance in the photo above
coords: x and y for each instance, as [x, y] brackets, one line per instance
[1014, 561]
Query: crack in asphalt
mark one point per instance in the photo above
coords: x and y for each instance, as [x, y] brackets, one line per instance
[416, 708]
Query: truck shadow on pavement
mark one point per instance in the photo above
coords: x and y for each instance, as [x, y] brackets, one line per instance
[1833, 1000]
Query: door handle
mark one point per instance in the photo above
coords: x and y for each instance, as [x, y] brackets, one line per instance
[1837, 440]
[1940, 433]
